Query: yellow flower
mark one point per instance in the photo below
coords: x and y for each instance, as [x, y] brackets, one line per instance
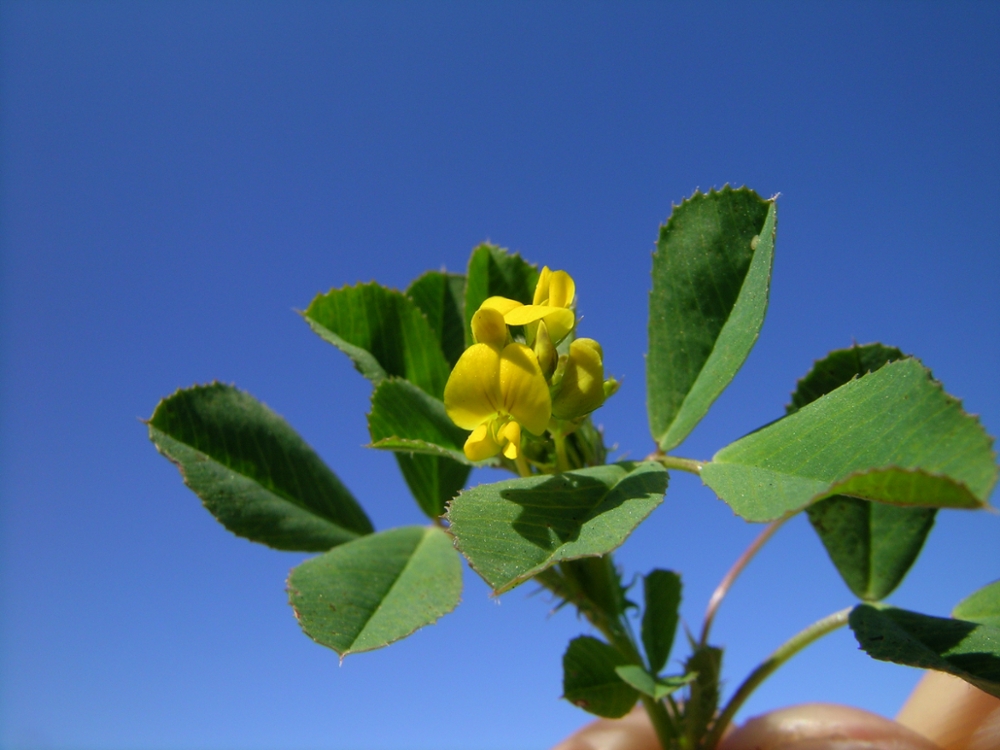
[553, 300]
[578, 386]
[495, 390]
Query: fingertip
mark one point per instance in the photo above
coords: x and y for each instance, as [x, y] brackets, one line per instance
[823, 726]
[952, 713]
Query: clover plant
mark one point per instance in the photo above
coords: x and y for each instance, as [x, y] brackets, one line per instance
[488, 369]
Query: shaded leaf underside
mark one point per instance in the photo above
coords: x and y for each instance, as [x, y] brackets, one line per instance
[253, 472]
[511, 530]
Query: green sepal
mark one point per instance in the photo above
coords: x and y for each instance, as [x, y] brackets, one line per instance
[513, 530]
[383, 332]
[969, 650]
[872, 545]
[892, 436]
[377, 589]
[253, 472]
[662, 594]
[590, 679]
[711, 278]
[496, 272]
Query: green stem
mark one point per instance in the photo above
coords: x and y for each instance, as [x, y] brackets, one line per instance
[656, 710]
[723, 588]
[689, 465]
[783, 653]
[522, 465]
[562, 460]
[585, 584]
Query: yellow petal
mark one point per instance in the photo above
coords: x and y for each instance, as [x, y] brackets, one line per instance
[488, 327]
[511, 432]
[480, 445]
[472, 393]
[521, 316]
[523, 388]
[581, 389]
[542, 287]
[501, 304]
[562, 289]
[560, 322]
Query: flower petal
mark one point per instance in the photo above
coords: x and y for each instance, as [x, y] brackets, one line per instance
[501, 304]
[521, 316]
[488, 327]
[523, 388]
[542, 287]
[560, 323]
[581, 389]
[480, 445]
[511, 432]
[562, 289]
[472, 393]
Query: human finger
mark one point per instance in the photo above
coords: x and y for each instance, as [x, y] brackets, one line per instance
[952, 713]
[632, 732]
[824, 726]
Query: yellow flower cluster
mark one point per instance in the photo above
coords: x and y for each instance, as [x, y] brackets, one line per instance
[500, 386]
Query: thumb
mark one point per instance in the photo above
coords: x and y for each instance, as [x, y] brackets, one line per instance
[952, 713]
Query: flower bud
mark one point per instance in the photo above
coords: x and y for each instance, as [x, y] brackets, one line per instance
[545, 351]
[580, 390]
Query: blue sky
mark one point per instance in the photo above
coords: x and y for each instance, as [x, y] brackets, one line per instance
[178, 178]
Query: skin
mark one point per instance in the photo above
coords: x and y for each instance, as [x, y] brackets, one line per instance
[942, 713]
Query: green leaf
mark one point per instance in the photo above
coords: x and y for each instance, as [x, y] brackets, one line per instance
[377, 589]
[969, 650]
[893, 436]
[662, 591]
[253, 472]
[594, 585]
[655, 687]
[441, 297]
[711, 276]
[383, 332]
[404, 418]
[494, 271]
[432, 480]
[983, 606]
[873, 545]
[590, 680]
[838, 367]
[511, 530]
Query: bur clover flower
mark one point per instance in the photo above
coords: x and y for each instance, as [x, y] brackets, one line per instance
[555, 293]
[578, 386]
[496, 389]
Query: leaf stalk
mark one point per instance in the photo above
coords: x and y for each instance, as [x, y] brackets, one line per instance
[690, 465]
[723, 588]
[782, 654]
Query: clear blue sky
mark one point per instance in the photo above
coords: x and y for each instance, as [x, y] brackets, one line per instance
[178, 178]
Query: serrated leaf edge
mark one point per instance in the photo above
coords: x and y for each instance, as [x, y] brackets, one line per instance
[347, 652]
